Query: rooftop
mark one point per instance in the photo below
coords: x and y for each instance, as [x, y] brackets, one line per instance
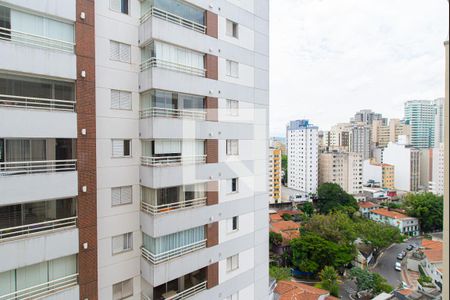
[433, 250]
[275, 218]
[389, 213]
[367, 204]
[289, 290]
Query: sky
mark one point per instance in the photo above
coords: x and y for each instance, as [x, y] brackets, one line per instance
[331, 58]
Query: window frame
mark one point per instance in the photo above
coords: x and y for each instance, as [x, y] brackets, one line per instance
[232, 263]
[232, 147]
[120, 191]
[230, 70]
[127, 239]
[130, 143]
[232, 111]
[234, 29]
[121, 9]
[121, 46]
[122, 284]
[120, 94]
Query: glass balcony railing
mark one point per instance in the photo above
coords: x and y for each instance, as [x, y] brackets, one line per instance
[173, 18]
[161, 161]
[155, 62]
[157, 112]
[169, 207]
[171, 254]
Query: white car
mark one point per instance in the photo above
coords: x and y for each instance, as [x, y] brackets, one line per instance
[398, 266]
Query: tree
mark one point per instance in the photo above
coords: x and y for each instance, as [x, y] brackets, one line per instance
[336, 227]
[307, 208]
[279, 273]
[284, 167]
[377, 234]
[275, 238]
[287, 217]
[428, 208]
[329, 277]
[331, 197]
[311, 253]
[368, 281]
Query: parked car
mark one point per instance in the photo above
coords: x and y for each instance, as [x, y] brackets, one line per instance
[400, 256]
[398, 266]
[410, 247]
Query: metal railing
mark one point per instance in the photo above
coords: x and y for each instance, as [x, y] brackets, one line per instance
[189, 292]
[36, 103]
[36, 228]
[44, 289]
[157, 112]
[154, 62]
[29, 39]
[166, 208]
[172, 160]
[172, 18]
[32, 167]
[171, 254]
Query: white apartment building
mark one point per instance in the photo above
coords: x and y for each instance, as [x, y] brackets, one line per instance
[145, 146]
[303, 156]
[406, 162]
[360, 139]
[407, 225]
[342, 168]
[437, 170]
[338, 137]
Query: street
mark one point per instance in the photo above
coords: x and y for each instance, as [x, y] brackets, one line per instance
[387, 260]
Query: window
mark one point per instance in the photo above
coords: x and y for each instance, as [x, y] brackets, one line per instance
[121, 195]
[120, 52]
[119, 6]
[121, 148]
[232, 147]
[233, 224]
[232, 68]
[233, 107]
[120, 100]
[123, 289]
[122, 243]
[233, 185]
[232, 263]
[232, 29]
[234, 296]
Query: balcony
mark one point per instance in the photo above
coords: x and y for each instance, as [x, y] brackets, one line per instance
[36, 103]
[35, 167]
[162, 161]
[44, 289]
[165, 256]
[172, 18]
[166, 208]
[154, 62]
[180, 288]
[157, 112]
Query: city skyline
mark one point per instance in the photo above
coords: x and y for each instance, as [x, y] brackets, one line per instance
[407, 39]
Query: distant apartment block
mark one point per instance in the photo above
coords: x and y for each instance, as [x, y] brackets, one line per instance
[275, 175]
[133, 149]
[360, 139]
[383, 174]
[423, 116]
[406, 162]
[367, 117]
[407, 225]
[303, 156]
[338, 138]
[437, 182]
[383, 134]
[342, 168]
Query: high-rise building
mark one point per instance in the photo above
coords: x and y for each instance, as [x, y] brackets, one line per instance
[338, 137]
[438, 121]
[303, 155]
[437, 170]
[274, 175]
[342, 168]
[367, 117]
[406, 162]
[383, 174]
[360, 140]
[383, 134]
[133, 149]
[420, 115]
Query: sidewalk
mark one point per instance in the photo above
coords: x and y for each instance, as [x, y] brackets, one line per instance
[410, 277]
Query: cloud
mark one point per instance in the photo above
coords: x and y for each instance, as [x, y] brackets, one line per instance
[330, 58]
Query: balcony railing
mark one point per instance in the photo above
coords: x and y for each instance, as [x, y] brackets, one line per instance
[157, 112]
[44, 289]
[166, 208]
[162, 257]
[29, 39]
[32, 167]
[36, 228]
[154, 62]
[189, 292]
[172, 18]
[36, 103]
[172, 160]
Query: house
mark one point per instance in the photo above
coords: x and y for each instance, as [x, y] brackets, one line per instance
[366, 207]
[287, 229]
[407, 225]
[289, 290]
[433, 262]
[364, 254]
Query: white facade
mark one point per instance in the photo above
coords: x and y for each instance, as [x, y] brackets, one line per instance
[406, 225]
[303, 156]
[406, 164]
[437, 174]
[372, 172]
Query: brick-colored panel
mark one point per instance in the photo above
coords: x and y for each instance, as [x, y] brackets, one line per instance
[86, 150]
[212, 234]
[212, 193]
[212, 24]
[212, 106]
[212, 275]
[212, 66]
[212, 151]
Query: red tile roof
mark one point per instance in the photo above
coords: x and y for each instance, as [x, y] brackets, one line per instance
[284, 226]
[289, 212]
[433, 250]
[389, 213]
[275, 218]
[367, 204]
[289, 290]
